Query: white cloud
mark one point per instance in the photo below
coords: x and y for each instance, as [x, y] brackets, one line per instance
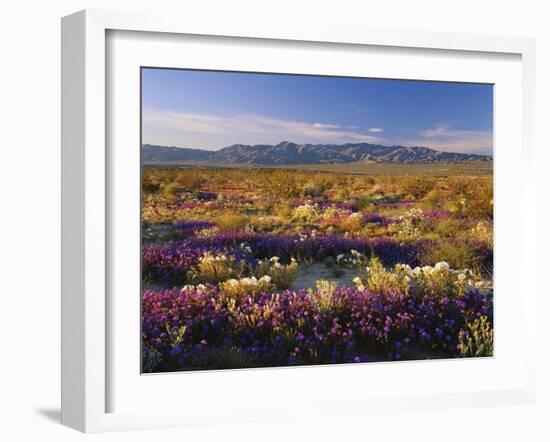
[215, 131]
[444, 137]
[326, 126]
[375, 129]
[439, 129]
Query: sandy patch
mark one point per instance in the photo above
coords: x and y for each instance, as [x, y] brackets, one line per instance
[308, 275]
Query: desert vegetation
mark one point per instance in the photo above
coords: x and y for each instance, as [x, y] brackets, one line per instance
[273, 267]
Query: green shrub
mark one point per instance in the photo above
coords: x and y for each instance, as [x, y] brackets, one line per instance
[417, 187]
[283, 210]
[472, 198]
[170, 190]
[364, 202]
[444, 228]
[316, 187]
[352, 223]
[343, 194]
[376, 190]
[231, 221]
[459, 255]
[190, 179]
[369, 181]
[459, 185]
[323, 297]
[281, 184]
[476, 340]
[479, 203]
[149, 186]
[433, 199]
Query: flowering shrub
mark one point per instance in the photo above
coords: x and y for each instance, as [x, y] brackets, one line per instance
[267, 223]
[476, 339]
[280, 275]
[237, 246]
[306, 213]
[169, 263]
[409, 221]
[439, 280]
[334, 213]
[326, 325]
[324, 297]
[216, 268]
[237, 288]
[412, 215]
[483, 231]
[352, 259]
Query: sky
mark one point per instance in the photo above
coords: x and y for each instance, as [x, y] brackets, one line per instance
[213, 109]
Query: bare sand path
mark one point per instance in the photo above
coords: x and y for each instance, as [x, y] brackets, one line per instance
[308, 275]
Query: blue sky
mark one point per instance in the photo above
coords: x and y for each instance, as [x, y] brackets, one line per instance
[211, 110]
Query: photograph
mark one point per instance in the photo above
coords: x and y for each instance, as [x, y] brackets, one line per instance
[302, 220]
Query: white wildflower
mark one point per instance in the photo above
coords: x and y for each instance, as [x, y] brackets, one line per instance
[441, 266]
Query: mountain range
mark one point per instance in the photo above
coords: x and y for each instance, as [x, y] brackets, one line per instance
[287, 153]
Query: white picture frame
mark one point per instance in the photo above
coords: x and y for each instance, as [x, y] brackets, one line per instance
[86, 315]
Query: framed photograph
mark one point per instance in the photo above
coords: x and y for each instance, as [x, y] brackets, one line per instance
[277, 223]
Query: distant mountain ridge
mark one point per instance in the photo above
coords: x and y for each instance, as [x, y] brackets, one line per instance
[287, 153]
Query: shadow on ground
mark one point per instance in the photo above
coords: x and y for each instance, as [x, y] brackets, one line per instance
[51, 414]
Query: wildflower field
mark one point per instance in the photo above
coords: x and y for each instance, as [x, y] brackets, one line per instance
[276, 267]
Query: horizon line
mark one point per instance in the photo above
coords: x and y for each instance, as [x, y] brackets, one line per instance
[316, 144]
